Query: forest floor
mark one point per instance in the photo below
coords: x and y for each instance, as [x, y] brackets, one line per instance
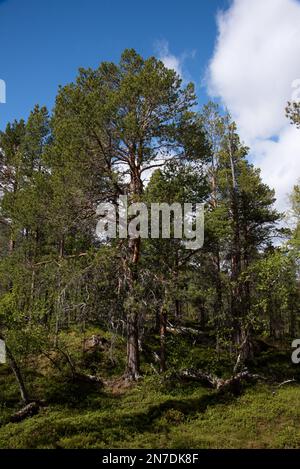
[156, 412]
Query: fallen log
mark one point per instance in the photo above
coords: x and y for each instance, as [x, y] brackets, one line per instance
[176, 330]
[288, 381]
[222, 385]
[29, 410]
[76, 376]
[200, 376]
[87, 378]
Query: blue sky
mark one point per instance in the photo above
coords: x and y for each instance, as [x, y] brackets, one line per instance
[44, 42]
[248, 51]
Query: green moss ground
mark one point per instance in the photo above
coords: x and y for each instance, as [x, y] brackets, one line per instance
[154, 413]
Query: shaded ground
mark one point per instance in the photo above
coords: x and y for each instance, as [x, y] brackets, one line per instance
[152, 416]
[155, 412]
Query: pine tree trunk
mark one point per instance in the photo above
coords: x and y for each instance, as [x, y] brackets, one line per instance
[18, 375]
[162, 335]
[219, 300]
[236, 253]
[177, 311]
[133, 362]
[201, 316]
[13, 364]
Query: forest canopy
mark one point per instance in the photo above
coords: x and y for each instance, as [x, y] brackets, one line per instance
[134, 128]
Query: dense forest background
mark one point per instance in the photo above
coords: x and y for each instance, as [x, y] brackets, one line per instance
[78, 309]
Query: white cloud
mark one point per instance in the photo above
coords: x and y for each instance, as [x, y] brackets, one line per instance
[279, 162]
[254, 71]
[172, 61]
